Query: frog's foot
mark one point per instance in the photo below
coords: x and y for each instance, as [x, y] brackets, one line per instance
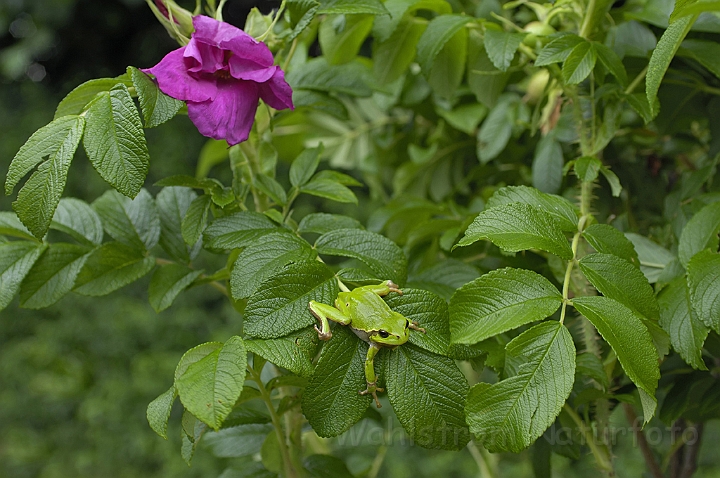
[372, 389]
[393, 287]
[415, 326]
[323, 336]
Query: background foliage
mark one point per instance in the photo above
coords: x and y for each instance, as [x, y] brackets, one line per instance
[77, 377]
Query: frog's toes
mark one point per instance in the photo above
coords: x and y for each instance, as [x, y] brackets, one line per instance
[394, 287]
[323, 336]
[415, 326]
[372, 390]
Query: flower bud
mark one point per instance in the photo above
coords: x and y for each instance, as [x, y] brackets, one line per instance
[176, 20]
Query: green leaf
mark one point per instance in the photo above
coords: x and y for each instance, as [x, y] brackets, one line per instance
[301, 13]
[704, 284]
[438, 32]
[496, 130]
[38, 198]
[263, 258]
[352, 6]
[393, 56]
[707, 53]
[156, 106]
[611, 62]
[338, 177]
[427, 392]
[448, 68]
[687, 332]
[589, 365]
[173, 204]
[465, 118]
[76, 101]
[484, 80]
[209, 387]
[547, 166]
[560, 208]
[284, 352]
[631, 341]
[10, 225]
[158, 411]
[270, 453]
[501, 46]
[243, 440]
[320, 223]
[53, 275]
[79, 220]
[305, 165]
[110, 267]
[444, 277]
[499, 301]
[558, 49]
[332, 402]
[16, 259]
[613, 180]
[608, 240]
[400, 10]
[167, 282]
[653, 258]
[326, 466]
[341, 36]
[381, 255]
[517, 227]
[196, 219]
[513, 413]
[701, 232]
[329, 189]
[237, 230]
[587, 168]
[663, 54]
[115, 142]
[618, 279]
[51, 141]
[430, 312]
[271, 188]
[579, 63]
[317, 74]
[134, 222]
[193, 355]
[213, 152]
[280, 305]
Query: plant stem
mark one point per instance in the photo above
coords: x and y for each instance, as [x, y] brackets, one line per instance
[485, 471]
[377, 462]
[290, 471]
[647, 453]
[635, 82]
[602, 456]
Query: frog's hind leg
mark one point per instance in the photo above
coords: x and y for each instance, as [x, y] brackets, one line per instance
[385, 288]
[323, 312]
[370, 377]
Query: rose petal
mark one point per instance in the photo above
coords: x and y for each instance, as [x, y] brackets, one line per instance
[230, 115]
[276, 92]
[174, 80]
[200, 56]
[249, 70]
[228, 37]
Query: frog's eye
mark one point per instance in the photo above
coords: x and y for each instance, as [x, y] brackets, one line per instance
[383, 334]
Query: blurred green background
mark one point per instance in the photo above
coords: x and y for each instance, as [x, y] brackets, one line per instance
[75, 379]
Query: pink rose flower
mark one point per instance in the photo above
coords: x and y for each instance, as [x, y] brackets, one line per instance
[221, 74]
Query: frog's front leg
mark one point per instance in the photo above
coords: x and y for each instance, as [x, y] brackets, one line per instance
[370, 378]
[323, 312]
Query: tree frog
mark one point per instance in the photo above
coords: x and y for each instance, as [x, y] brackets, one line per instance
[371, 319]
